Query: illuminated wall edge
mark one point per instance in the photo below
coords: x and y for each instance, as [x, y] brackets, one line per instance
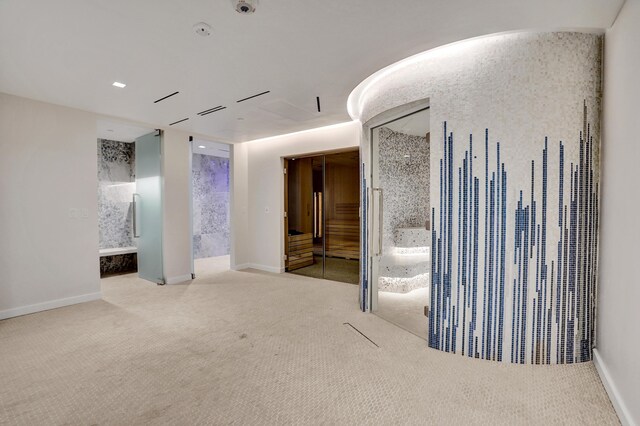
[515, 173]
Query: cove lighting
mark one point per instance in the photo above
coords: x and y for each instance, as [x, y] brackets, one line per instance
[118, 84]
[357, 97]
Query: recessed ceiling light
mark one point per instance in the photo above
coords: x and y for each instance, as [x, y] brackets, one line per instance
[240, 118]
[118, 84]
[201, 146]
[109, 130]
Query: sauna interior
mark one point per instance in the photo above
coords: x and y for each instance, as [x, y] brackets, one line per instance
[322, 223]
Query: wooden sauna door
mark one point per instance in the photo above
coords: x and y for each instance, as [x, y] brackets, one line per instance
[322, 223]
[299, 214]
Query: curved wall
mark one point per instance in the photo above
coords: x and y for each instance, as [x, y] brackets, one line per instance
[514, 190]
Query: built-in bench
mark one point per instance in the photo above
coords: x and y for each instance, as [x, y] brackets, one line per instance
[118, 250]
[118, 260]
[343, 238]
[300, 251]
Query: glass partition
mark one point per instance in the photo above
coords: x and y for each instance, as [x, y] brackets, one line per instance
[147, 207]
[401, 241]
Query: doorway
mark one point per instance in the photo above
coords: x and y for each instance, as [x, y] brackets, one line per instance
[129, 200]
[401, 221]
[210, 206]
[322, 216]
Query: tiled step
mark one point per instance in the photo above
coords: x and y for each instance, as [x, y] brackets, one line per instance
[403, 270]
[403, 285]
[410, 250]
[406, 266]
[409, 259]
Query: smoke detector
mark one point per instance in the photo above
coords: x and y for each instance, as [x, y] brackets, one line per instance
[202, 29]
[246, 7]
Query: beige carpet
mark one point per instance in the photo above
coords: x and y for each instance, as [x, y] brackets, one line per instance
[258, 348]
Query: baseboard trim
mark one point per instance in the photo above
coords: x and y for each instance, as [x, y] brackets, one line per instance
[240, 267]
[179, 279]
[258, 267]
[612, 390]
[52, 304]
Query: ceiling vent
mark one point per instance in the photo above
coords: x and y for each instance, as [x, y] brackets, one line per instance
[246, 7]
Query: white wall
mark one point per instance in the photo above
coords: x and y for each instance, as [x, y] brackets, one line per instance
[239, 193]
[48, 173]
[265, 203]
[618, 345]
[176, 238]
[48, 166]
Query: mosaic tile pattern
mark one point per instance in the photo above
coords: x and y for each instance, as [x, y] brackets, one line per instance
[116, 185]
[551, 279]
[404, 177]
[538, 94]
[413, 280]
[411, 240]
[210, 206]
[118, 264]
[404, 181]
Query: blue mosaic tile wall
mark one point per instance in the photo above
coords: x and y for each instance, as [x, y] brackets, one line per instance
[514, 190]
[514, 263]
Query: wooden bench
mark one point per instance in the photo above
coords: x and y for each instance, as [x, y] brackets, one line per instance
[300, 251]
[343, 238]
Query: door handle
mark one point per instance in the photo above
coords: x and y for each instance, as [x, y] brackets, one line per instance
[315, 209]
[135, 220]
[380, 218]
[320, 208]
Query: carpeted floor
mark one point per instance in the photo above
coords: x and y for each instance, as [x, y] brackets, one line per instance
[258, 348]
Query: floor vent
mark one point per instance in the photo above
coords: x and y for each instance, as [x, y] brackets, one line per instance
[360, 333]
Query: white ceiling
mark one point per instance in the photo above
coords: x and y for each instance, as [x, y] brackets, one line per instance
[69, 52]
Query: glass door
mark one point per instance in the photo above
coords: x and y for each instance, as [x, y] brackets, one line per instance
[322, 220]
[342, 216]
[401, 239]
[317, 179]
[147, 207]
[300, 218]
